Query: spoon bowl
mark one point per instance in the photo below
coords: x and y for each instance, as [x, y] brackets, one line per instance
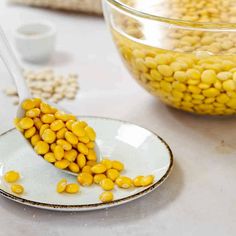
[15, 71]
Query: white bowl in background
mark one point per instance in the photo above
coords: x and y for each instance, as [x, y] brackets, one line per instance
[35, 41]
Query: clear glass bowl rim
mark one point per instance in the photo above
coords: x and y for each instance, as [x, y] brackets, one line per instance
[178, 22]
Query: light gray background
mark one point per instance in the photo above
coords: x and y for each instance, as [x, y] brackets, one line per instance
[199, 198]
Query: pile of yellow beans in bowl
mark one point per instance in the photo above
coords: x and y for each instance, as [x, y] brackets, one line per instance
[69, 144]
[187, 58]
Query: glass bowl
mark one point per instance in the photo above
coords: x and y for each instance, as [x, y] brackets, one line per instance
[181, 51]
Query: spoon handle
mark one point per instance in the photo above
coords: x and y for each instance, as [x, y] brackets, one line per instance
[9, 59]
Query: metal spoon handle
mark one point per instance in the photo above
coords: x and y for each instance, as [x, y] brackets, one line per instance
[9, 59]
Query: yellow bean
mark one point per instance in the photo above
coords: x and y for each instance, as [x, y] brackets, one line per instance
[98, 169]
[78, 129]
[82, 148]
[85, 179]
[41, 147]
[65, 145]
[90, 145]
[91, 133]
[17, 188]
[69, 124]
[30, 132]
[98, 178]
[81, 160]
[57, 125]
[71, 138]
[71, 155]
[86, 169]
[47, 118]
[63, 164]
[48, 136]
[73, 167]
[26, 123]
[60, 115]
[117, 165]
[85, 140]
[50, 157]
[28, 104]
[91, 156]
[46, 108]
[124, 182]
[37, 102]
[59, 152]
[11, 176]
[208, 76]
[137, 181]
[35, 112]
[35, 139]
[38, 123]
[61, 186]
[147, 180]
[72, 188]
[43, 127]
[61, 133]
[107, 184]
[52, 147]
[112, 174]
[106, 197]
[107, 163]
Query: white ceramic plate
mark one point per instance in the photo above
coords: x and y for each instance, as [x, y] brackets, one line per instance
[142, 151]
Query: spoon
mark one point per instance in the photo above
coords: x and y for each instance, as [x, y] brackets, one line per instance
[9, 59]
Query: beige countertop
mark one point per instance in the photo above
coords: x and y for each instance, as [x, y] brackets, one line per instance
[198, 198]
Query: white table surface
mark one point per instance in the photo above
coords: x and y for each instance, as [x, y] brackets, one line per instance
[199, 198]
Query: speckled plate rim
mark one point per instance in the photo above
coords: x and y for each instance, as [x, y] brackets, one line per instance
[96, 206]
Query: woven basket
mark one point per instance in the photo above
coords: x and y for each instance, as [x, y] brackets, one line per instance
[88, 6]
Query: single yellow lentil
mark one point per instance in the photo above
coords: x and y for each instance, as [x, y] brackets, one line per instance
[137, 181]
[61, 186]
[107, 163]
[70, 155]
[147, 180]
[117, 165]
[47, 118]
[28, 104]
[72, 188]
[82, 148]
[71, 138]
[50, 157]
[11, 176]
[98, 178]
[17, 188]
[106, 197]
[73, 167]
[112, 174]
[35, 139]
[41, 147]
[59, 152]
[63, 164]
[26, 123]
[48, 136]
[98, 169]
[30, 132]
[107, 184]
[81, 160]
[65, 145]
[124, 182]
[57, 125]
[85, 179]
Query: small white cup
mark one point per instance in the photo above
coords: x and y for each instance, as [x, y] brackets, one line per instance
[35, 41]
